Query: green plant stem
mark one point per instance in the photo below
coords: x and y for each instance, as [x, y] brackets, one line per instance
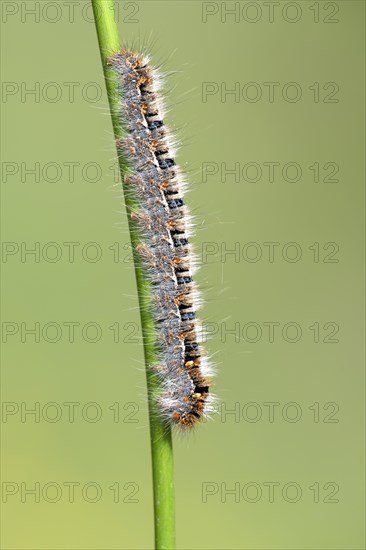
[161, 438]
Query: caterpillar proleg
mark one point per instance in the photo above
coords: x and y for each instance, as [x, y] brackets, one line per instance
[157, 185]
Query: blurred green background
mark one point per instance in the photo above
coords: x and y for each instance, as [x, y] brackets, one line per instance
[291, 368]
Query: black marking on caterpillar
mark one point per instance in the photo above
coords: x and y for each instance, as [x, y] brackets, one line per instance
[157, 186]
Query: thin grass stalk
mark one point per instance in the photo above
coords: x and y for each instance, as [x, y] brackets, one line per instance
[160, 434]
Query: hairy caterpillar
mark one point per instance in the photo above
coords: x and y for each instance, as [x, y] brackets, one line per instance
[157, 186]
